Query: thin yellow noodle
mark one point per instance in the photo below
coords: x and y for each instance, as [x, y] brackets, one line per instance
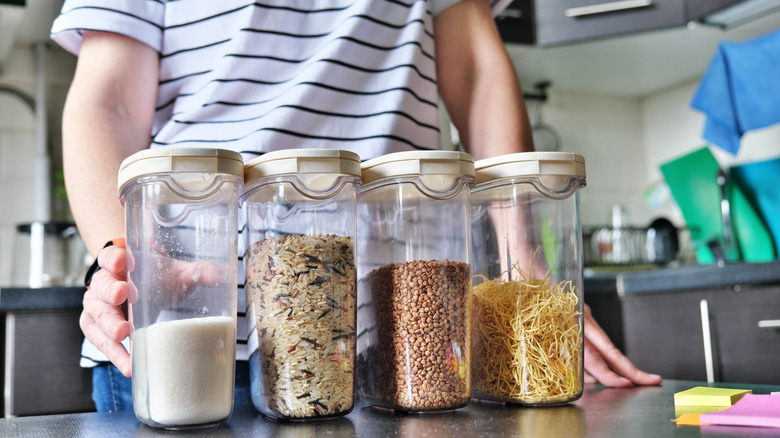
[527, 339]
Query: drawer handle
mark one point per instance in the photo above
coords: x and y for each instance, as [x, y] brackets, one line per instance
[603, 8]
[704, 308]
[769, 323]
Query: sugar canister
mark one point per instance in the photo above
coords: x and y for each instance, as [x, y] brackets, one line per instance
[527, 295]
[181, 216]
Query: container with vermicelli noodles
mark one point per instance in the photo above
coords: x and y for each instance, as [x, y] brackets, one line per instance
[527, 314]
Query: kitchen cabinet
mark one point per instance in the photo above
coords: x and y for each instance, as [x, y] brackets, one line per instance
[41, 347]
[605, 305]
[567, 21]
[663, 329]
[557, 22]
[516, 22]
[700, 8]
[42, 373]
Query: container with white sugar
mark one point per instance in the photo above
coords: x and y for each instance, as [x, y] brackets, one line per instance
[181, 210]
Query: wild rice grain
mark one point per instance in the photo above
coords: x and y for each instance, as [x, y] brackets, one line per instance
[292, 283]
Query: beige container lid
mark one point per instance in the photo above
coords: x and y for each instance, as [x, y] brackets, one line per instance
[179, 160]
[302, 161]
[317, 169]
[559, 164]
[422, 163]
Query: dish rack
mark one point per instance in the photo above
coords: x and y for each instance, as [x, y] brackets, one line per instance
[630, 246]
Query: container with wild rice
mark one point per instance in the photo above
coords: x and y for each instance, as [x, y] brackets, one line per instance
[299, 208]
[527, 296]
[414, 284]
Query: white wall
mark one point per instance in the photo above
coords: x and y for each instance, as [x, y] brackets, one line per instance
[607, 132]
[17, 143]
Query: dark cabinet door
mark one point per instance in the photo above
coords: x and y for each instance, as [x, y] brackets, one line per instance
[516, 22]
[567, 21]
[697, 9]
[743, 350]
[663, 333]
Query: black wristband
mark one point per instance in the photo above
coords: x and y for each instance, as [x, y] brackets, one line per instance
[95, 266]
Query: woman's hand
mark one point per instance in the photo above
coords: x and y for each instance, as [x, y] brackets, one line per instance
[606, 364]
[103, 320]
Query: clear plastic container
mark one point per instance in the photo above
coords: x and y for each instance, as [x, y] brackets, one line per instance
[415, 281]
[528, 301]
[299, 208]
[181, 215]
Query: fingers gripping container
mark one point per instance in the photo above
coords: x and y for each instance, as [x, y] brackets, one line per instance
[528, 301]
[181, 216]
[415, 281]
[299, 208]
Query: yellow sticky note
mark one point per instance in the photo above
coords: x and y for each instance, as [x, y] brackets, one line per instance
[682, 410]
[706, 396]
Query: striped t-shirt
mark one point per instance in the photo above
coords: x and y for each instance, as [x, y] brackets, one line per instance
[259, 76]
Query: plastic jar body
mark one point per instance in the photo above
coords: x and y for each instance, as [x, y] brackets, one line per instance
[181, 245]
[415, 288]
[528, 299]
[300, 290]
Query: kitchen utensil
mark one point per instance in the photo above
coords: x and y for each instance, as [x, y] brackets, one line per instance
[47, 254]
[663, 243]
[544, 136]
[693, 181]
[759, 182]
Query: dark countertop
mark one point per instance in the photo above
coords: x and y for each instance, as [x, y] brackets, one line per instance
[698, 277]
[15, 299]
[602, 412]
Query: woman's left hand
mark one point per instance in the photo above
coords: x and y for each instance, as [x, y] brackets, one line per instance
[606, 364]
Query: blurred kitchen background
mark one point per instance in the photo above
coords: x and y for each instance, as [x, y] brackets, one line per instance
[618, 93]
[612, 81]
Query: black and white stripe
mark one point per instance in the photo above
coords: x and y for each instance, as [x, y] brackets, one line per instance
[259, 76]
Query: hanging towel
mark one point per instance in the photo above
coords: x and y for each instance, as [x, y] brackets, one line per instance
[740, 90]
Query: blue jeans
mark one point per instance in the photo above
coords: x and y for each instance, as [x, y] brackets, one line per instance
[112, 391]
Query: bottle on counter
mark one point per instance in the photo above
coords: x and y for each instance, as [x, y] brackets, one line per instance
[414, 284]
[300, 227]
[527, 294]
[181, 215]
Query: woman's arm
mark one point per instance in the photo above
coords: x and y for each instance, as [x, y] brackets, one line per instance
[108, 116]
[482, 94]
[478, 83]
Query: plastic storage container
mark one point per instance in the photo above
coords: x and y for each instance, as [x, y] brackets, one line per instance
[299, 208]
[528, 302]
[181, 215]
[415, 281]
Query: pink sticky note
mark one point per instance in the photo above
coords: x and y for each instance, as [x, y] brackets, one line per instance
[751, 410]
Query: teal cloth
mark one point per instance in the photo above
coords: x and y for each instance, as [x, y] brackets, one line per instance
[740, 90]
